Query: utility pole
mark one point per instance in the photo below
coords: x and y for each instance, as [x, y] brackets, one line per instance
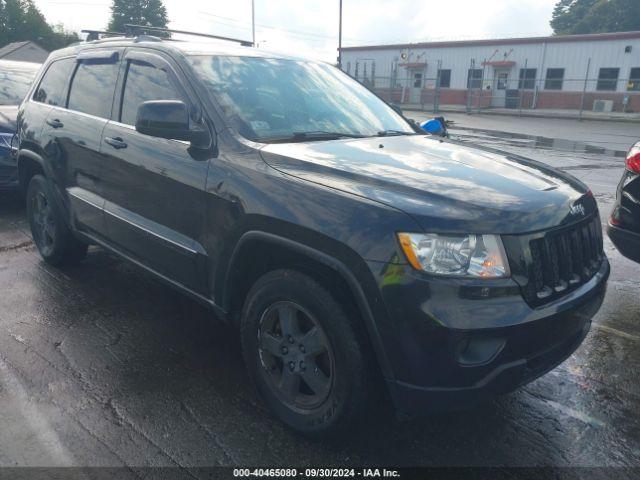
[340, 38]
[253, 21]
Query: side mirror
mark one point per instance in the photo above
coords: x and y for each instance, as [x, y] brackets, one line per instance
[164, 119]
[396, 108]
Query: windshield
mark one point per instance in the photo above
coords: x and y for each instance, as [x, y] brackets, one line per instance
[14, 85]
[270, 99]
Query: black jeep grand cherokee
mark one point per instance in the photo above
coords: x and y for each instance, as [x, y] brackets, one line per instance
[351, 250]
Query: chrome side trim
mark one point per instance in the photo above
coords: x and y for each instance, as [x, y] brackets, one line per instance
[183, 245]
[75, 193]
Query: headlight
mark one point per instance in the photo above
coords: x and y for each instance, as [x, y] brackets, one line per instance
[480, 256]
[5, 143]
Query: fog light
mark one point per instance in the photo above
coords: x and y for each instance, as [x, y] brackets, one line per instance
[473, 352]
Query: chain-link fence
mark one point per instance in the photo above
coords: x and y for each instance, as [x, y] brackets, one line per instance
[513, 89]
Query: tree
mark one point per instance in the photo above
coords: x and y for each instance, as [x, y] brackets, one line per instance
[20, 20]
[138, 12]
[595, 16]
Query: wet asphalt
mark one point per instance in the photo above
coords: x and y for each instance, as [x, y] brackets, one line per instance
[101, 365]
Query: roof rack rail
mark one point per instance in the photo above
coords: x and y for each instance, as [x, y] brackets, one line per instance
[95, 34]
[133, 29]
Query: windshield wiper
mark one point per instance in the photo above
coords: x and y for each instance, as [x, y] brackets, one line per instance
[322, 134]
[312, 135]
[390, 133]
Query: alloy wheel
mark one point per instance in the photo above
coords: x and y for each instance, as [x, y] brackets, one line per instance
[296, 356]
[44, 227]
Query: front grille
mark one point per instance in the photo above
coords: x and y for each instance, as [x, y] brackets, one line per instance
[562, 260]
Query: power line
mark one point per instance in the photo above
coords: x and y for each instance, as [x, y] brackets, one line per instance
[270, 27]
[317, 41]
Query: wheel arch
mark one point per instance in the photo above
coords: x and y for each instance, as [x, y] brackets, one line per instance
[29, 164]
[242, 273]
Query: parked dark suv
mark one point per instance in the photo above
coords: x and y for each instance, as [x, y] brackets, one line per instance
[351, 250]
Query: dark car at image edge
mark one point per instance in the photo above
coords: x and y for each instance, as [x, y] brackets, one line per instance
[15, 80]
[624, 223]
[358, 257]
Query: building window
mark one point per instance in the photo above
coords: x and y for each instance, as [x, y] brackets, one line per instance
[356, 72]
[373, 73]
[348, 68]
[364, 71]
[527, 79]
[417, 80]
[474, 78]
[554, 79]
[444, 78]
[634, 80]
[608, 79]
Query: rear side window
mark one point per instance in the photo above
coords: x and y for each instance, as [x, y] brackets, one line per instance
[53, 86]
[92, 88]
[143, 83]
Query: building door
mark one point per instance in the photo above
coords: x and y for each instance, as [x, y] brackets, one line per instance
[416, 86]
[500, 86]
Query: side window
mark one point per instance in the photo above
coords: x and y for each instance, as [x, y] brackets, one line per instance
[92, 88]
[143, 83]
[53, 86]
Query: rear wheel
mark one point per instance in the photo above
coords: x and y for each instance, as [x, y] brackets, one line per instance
[308, 362]
[50, 233]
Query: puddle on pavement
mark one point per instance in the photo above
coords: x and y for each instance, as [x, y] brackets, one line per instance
[537, 142]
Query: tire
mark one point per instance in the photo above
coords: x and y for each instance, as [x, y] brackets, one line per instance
[327, 353]
[50, 233]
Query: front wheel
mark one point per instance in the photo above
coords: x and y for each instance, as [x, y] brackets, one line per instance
[50, 233]
[308, 360]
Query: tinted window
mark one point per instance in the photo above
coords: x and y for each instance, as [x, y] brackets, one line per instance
[608, 79]
[554, 79]
[92, 88]
[53, 87]
[14, 83]
[145, 82]
[527, 79]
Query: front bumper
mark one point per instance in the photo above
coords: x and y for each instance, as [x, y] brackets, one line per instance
[626, 241]
[452, 345]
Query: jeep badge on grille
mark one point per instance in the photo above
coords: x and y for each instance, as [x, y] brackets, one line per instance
[578, 210]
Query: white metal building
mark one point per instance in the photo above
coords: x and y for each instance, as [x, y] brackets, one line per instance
[600, 71]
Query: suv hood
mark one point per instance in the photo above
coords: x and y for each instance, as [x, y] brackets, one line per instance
[444, 185]
[8, 116]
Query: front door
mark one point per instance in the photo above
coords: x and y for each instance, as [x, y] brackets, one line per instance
[500, 86]
[154, 187]
[417, 79]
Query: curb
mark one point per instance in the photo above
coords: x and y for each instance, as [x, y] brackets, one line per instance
[529, 115]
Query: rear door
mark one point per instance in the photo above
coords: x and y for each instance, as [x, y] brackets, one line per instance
[154, 187]
[75, 133]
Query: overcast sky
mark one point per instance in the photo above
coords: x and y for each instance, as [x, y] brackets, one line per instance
[310, 27]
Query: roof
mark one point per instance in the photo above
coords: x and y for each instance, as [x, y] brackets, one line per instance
[15, 46]
[184, 47]
[592, 37]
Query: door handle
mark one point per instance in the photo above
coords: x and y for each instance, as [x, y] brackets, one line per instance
[55, 123]
[116, 142]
